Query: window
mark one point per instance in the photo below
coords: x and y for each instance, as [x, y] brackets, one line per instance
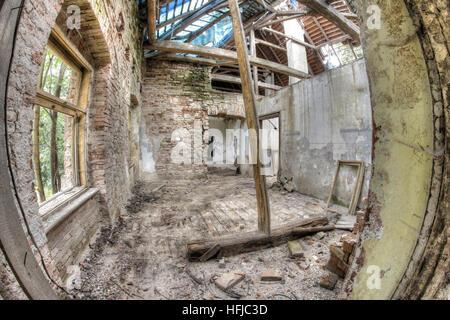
[59, 120]
[339, 54]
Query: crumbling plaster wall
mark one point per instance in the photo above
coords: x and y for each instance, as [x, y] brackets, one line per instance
[177, 96]
[324, 119]
[403, 252]
[116, 77]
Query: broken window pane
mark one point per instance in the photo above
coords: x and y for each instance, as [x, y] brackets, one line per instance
[57, 78]
[52, 148]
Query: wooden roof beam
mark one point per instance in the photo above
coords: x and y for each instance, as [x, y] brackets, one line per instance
[151, 10]
[237, 80]
[290, 38]
[212, 23]
[266, 5]
[218, 53]
[196, 15]
[334, 16]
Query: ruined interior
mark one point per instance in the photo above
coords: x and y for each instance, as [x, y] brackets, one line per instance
[224, 149]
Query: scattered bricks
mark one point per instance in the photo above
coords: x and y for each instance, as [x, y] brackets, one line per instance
[329, 282]
[229, 280]
[349, 242]
[295, 249]
[271, 275]
[337, 262]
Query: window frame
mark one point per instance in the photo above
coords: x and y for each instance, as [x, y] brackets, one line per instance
[64, 49]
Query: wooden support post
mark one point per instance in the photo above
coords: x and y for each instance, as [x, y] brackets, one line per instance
[151, 10]
[252, 121]
[253, 53]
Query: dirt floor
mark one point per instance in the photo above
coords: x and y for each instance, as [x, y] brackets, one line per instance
[144, 256]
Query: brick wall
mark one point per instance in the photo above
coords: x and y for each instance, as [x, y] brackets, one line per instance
[109, 40]
[175, 95]
[69, 239]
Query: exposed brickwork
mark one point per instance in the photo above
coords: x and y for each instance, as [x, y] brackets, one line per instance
[175, 95]
[72, 236]
[109, 40]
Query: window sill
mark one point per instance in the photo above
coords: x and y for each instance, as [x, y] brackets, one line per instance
[64, 209]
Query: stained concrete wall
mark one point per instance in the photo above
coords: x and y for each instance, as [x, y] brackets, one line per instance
[324, 119]
[407, 114]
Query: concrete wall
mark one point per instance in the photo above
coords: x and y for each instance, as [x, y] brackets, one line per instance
[324, 119]
[405, 239]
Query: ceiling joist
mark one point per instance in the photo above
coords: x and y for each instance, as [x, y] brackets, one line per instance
[334, 16]
[218, 53]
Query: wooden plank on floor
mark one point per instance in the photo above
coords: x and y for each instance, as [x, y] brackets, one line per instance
[251, 241]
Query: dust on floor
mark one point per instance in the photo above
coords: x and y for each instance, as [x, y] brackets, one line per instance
[144, 256]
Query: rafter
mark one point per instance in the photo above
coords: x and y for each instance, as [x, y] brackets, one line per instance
[180, 47]
[334, 16]
[237, 80]
[199, 13]
[290, 38]
[212, 24]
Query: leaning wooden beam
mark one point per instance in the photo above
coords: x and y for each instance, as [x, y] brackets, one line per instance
[290, 38]
[249, 25]
[252, 241]
[334, 16]
[270, 44]
[180, 47]
[237, 80]
[252, 120]
[151, 11]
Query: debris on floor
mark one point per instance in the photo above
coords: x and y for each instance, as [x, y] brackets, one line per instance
[295, 249]
[144, 255]
[271, 275]
[229, 280]
[329, 281]
[346, 222]
[340, 254]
